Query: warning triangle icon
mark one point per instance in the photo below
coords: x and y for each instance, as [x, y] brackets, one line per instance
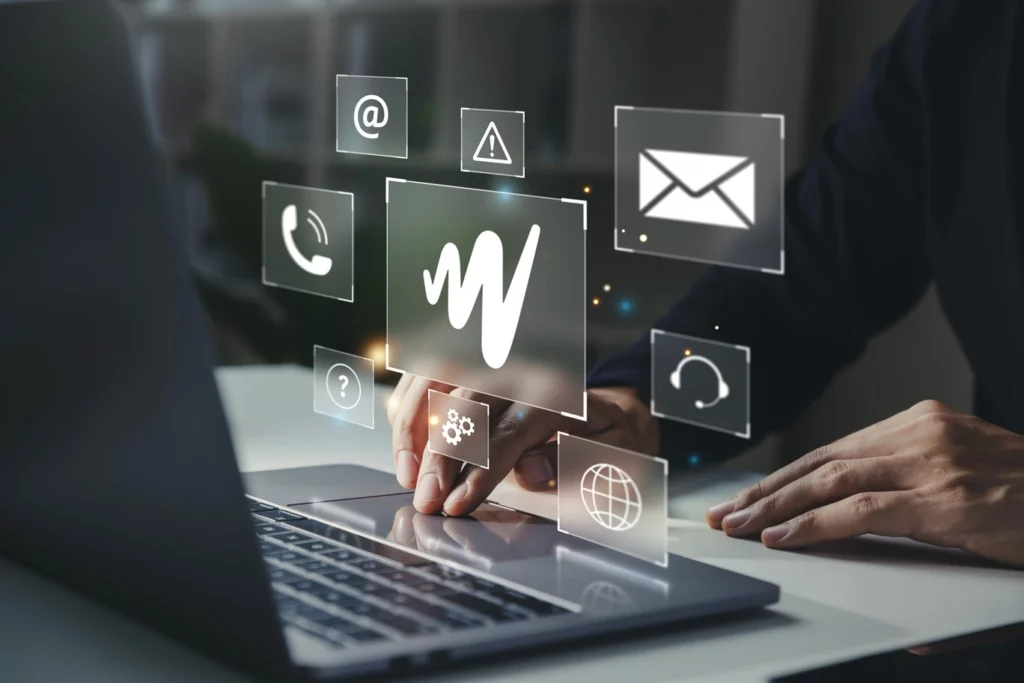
[492, 149]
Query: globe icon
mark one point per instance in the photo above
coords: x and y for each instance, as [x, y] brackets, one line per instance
[611, 497]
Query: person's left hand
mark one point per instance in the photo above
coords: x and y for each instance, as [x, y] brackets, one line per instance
[928, 473]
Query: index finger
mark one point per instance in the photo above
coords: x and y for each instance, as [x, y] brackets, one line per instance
[409, 433]
[519, 429]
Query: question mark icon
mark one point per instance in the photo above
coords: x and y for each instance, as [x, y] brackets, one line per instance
[343, 386]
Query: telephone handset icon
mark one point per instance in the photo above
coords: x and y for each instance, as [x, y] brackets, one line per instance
[318, 265]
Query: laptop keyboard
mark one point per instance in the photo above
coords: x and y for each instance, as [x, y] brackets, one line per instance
[347, 589]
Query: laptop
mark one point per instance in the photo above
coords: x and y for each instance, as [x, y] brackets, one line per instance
[117, 474]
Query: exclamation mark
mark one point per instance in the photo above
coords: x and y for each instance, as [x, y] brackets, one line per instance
[492, 144]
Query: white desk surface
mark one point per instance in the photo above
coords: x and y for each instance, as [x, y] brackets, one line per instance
[846, 601]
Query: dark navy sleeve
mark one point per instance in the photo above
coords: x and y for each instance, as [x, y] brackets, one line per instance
[855, 255]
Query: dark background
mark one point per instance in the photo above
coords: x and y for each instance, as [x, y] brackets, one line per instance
[242, 91]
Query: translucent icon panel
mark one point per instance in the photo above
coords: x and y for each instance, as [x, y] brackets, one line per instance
[372, 115]
[494, 142]
[343, 386]
[701, 186]
[487, 291]
[458, 428]
[613, 497]
[308, 242]
[701, 382]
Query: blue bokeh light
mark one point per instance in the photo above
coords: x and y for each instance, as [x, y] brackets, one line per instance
[506, 190]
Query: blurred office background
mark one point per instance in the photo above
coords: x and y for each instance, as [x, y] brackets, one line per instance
[242, 91]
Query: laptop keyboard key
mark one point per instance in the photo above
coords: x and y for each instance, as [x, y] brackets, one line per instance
[343, 577]
[365, 636]
[453, 619]
[368, 587]
[402, 577]
[312, 545]
[284, 576]
[477, 605]
[342, 600]
[444, 573]
[290, 537]
[339, 555]
[285, 555]
[280, 515]
[365, 609]
[434, 588]
[314, 565]
[421, 607]
[405, 625]
[370, 566]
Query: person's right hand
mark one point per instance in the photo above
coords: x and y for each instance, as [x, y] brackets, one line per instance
[522, 440]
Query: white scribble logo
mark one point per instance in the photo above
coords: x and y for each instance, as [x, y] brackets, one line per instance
[485, 274]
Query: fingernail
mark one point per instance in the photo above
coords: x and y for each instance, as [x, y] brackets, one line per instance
[428, 491]
[456, 497]
[407, 468]
[538, 471]
[716, 513]
[736, 519]
[774, 534]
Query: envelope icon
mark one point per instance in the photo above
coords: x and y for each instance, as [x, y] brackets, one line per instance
[709, 189]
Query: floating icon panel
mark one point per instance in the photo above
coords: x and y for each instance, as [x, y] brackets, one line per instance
[494, 142]
[613, 497]
[343, 386]
[308, 240]
[487, 291]
[701, 186]
[701, 382]
[459, 428]
[372, 115]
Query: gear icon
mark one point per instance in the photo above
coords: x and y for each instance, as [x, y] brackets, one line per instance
[466, 431]
[453, 415]
[450, 432]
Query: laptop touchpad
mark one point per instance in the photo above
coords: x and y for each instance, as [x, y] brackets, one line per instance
[320, 484]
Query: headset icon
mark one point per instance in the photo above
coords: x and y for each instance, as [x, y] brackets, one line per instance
[723, 388]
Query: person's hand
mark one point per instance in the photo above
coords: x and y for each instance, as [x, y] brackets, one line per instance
[928, 473]
[521, 441]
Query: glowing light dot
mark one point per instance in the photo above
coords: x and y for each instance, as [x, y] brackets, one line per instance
[716, 327]
[586, 189]
[433, 420]
[643, 238]
[374, 350]
[596, 301]
[607, 288]
[687, 352]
